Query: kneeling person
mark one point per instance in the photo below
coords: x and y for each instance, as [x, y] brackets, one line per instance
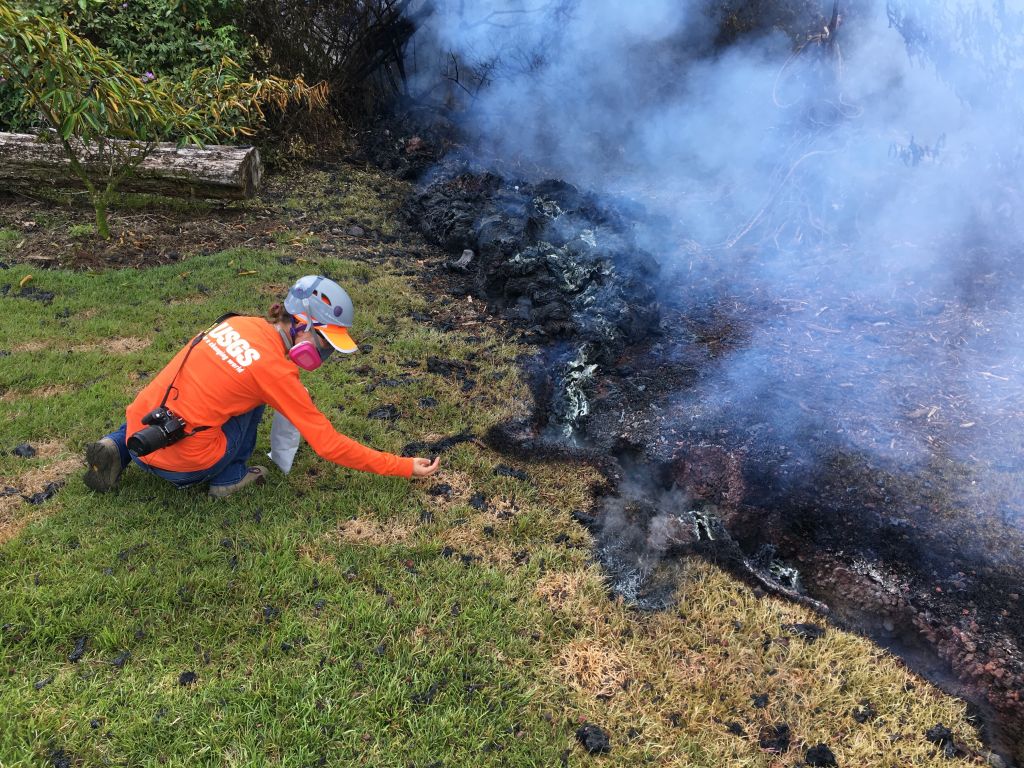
[197, 420]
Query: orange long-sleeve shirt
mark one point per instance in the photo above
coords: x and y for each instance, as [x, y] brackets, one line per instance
[239, 365]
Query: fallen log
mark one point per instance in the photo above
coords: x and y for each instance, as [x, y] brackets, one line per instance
[214, 171]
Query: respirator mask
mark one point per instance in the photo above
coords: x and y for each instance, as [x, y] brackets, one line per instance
[306, 354]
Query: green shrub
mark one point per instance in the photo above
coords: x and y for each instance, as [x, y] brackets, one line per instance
[166, 37]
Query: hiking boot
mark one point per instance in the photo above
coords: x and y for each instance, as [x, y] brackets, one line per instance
[255, 475]
[104, 465]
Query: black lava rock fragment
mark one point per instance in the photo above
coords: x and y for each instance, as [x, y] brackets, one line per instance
[441, 489]
[449, 368]
[736, 729]
[759, 700]
[47, 493]
[35, 294]
[121, 659]
[808, 632]
[774, 738]
[594, 739]
[419, 448]
[385, 413]
[478, 501]
[504, 471]
[24, 451]
[940, 735]
[61, 759]
[270, 613]
[428, 402]
[820, 756]
[943, 737]
[864, 712]
[76, 655]
[428, 695]
[40, 684]
[587, 521]
[188, 677]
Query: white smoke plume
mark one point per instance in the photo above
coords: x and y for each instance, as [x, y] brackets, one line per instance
[869, 183]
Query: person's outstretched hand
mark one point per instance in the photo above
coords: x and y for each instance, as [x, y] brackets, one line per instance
[425, 467]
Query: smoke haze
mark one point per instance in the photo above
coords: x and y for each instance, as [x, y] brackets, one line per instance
[871, 193]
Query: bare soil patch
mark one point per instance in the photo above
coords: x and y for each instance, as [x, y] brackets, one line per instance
[317, 213]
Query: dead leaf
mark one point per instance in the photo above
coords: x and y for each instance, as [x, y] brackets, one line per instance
[24, 281]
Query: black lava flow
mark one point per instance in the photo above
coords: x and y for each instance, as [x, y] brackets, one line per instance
[566, 268]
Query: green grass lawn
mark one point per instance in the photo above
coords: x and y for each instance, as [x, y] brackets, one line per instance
[384, 654]
[338, 618]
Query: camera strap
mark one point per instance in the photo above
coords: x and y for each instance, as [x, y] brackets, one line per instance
[195, 341]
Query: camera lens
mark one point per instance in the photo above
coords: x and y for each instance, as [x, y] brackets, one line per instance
[147, 440]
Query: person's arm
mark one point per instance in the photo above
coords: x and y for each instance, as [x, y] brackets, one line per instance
[287, 395]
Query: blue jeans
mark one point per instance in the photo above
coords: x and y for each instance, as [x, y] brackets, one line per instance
[240, 432]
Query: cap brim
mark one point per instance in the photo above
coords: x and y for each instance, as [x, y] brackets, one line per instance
[336, 335]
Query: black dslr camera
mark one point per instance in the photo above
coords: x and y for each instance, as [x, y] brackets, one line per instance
[162, 428]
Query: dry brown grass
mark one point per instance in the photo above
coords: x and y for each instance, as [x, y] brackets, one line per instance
[369, 532]
[592, 669]
[562, 591]
[15, 513]
[680, 678]
[119, 346]
[51, 390]
[472, 539]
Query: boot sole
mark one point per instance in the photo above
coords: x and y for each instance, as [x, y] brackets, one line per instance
[104, 467]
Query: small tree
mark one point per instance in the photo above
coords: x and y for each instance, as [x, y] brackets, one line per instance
[108, 119]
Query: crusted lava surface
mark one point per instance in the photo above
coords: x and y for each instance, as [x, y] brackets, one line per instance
[873, 508]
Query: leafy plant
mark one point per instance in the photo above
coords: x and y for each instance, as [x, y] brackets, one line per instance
[109, 119]
[80, 230]
[167, 37]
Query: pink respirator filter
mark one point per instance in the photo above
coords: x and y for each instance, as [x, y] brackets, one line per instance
[305, 355]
